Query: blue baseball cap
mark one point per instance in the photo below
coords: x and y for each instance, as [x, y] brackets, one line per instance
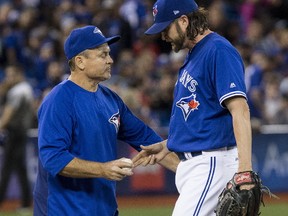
[83, 38]
[166, 11]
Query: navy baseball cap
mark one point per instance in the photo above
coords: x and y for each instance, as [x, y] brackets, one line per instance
[83, 38]
[166, 11]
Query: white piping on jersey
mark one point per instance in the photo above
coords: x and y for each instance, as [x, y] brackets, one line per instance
[231, 94]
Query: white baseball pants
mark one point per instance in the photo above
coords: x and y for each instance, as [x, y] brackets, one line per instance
[201, 179]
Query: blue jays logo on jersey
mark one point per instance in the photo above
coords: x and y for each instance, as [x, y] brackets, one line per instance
[115, 120]
[187, 105]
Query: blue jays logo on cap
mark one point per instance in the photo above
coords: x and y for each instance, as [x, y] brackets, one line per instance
[98, 31]
[166, 11]
[87, 37]
[155, 11]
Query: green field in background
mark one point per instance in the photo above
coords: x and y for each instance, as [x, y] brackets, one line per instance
[269, 210]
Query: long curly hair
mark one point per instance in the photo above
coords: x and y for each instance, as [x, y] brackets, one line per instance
[198, 23]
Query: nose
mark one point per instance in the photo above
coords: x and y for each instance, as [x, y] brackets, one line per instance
[163, 35]
[109, 60]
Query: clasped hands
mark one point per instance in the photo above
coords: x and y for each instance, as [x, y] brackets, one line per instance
[150, 155]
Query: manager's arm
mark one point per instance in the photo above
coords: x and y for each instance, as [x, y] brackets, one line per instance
[112, 170]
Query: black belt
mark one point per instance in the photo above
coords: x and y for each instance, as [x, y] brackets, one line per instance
[183, 156]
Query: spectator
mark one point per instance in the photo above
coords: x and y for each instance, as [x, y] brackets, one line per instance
[115, 25]
[272, 97]
[281, 117]
[254, 74]
[15, 120]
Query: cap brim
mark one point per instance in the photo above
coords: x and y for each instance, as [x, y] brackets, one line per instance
[158, 27]
[113, 39]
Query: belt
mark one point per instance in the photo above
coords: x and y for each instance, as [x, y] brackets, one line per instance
[183, 156]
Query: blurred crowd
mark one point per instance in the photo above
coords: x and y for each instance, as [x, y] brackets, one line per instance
[32, 33]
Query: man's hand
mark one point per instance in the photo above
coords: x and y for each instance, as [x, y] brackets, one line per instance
[151, 154]
[117, 169]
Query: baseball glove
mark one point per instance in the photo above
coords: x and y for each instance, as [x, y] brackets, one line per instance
[234, 201]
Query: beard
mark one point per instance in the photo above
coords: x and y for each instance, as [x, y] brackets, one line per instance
[178, 43]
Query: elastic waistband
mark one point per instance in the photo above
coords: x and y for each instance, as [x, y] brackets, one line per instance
[183, 156]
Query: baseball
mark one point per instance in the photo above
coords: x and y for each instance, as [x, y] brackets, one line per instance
[128, 161]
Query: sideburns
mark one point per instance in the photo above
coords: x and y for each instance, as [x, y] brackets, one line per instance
[180, 32]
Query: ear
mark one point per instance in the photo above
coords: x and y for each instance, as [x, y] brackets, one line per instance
[183, 22]
[80, 62]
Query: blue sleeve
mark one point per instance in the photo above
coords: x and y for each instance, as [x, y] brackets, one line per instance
[55, 131]
[228, 73]
[134, 131]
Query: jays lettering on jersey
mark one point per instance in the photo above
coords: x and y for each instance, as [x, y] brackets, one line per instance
[212, 72]
[74, 122]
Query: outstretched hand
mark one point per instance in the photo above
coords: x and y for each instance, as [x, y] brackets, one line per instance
[150, 154]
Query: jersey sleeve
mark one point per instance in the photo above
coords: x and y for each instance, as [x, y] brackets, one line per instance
[55, 131]
[134, 131]
[228, 73]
